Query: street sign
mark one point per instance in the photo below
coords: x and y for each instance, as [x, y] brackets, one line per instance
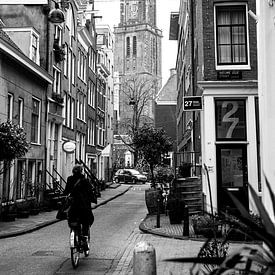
[192, 103]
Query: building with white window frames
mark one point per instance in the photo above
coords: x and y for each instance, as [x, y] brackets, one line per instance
[217, 60]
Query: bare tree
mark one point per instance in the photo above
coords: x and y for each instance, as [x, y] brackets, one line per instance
[137, 93]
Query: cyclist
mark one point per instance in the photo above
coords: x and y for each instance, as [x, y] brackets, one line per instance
[82, 193]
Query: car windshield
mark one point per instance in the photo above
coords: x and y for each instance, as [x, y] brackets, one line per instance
[134, 172]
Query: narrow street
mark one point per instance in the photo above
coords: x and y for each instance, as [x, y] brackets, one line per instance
[114, 235]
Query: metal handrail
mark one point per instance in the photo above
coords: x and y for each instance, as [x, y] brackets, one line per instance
[58, 185]
[60, 176]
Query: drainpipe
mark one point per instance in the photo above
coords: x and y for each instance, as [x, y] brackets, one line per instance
[193, 72]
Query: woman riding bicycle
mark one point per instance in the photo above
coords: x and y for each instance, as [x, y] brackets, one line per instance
[82, 192]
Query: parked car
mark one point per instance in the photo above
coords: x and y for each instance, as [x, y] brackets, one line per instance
[129, 176]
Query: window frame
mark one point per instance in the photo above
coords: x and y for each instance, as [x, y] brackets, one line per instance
[38, 121]
[20, 111]
[10, 107]
[57, 80]
[34, 48]
[232, 66]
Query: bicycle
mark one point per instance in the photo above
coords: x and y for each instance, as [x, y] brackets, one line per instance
[78, 243]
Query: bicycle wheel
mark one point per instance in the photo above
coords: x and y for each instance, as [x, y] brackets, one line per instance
[74, 249]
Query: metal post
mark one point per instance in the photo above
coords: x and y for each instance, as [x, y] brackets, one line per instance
[144, 260]
[158, 213]
[186, 221]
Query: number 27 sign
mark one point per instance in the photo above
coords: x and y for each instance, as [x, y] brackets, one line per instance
[192, 103]
[230, 119]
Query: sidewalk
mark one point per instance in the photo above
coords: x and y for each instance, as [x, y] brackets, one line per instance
[175, 231]
[25, 225]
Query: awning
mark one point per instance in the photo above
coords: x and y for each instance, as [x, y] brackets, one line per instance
[106, 152]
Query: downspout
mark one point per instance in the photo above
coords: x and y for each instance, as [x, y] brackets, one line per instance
[46, 103]
[193, 69]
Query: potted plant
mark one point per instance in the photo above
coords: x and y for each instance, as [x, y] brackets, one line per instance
[175, 207]
[58, 97]
[203, 225]
[185, 170]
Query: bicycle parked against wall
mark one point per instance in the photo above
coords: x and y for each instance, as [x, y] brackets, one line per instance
[78, 243]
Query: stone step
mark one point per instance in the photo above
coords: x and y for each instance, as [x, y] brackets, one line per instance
[189, 187]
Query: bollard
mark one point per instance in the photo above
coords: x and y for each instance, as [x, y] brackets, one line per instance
[158, 213]
[144, 260]
[186, 221]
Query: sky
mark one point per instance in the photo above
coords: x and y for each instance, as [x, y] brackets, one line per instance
[110, 12]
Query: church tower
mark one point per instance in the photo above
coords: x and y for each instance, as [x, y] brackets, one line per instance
[137, 51]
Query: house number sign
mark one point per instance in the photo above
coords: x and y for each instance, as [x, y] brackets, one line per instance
[230, 119]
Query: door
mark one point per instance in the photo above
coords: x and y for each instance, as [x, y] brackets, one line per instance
[232, 176]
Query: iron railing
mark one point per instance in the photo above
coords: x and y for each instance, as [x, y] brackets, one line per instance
[187, 164]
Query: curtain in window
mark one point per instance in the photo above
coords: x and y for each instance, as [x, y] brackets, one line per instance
[231, 35]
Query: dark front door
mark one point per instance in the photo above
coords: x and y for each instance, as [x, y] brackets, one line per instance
[232, 176]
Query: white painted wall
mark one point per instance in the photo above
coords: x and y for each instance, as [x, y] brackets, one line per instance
[266, 78]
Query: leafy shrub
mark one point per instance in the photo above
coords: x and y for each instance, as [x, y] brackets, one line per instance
[13, 143]
[163, 174]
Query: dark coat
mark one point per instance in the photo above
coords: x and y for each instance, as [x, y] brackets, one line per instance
[82, 194]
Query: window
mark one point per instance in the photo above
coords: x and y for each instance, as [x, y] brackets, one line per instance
[100, 39]
[72, 113]
[31, 179]
[20, 180]
[64, 110]
[134, 45]
[73, 69]
[230, 119]
[34, 49]
[57, 80]
[66, 60]
[78, 63]
[231, 35]
[92, 132]
[35, 121]
[92, 59]
[70, 23]
[70, 68]
[84, 68]
[128, 46]
[10, 106]
[58, 35]
[68, 115]
[20, 112]
[91, 94]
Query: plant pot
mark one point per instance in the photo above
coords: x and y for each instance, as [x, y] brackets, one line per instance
[34, 211]
[151, 199]
[175, 209]
[9, 217]
[23, 214]
[174, 217]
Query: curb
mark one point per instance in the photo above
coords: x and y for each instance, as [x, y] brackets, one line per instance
[28, 230]
[144, 229]
[44, 224]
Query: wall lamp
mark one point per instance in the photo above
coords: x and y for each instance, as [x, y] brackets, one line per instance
[56, 15]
